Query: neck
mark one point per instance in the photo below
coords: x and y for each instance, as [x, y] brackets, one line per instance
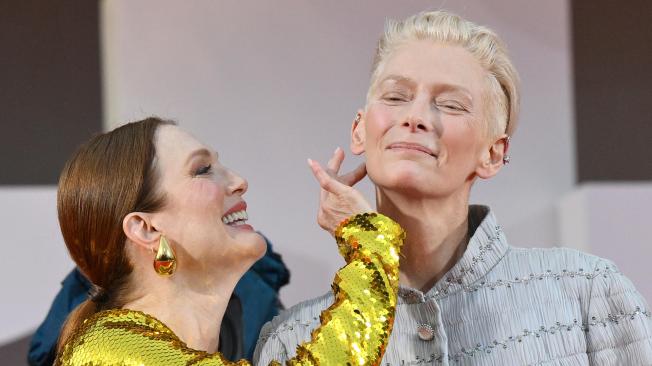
[437, 234]
[194, 313]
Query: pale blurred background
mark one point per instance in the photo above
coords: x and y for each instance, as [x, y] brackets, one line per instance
[269, 84]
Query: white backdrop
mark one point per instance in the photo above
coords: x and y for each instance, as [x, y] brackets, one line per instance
[269, 84]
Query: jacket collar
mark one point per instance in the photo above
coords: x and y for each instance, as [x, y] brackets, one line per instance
[485, 249]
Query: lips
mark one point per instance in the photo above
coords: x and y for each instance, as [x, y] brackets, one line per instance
[240, 206]
[236, 216]
[411, 146]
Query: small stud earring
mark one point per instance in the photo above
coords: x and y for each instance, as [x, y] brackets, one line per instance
[506, 158]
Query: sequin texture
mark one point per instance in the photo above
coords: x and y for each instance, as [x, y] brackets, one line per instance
[354, 330]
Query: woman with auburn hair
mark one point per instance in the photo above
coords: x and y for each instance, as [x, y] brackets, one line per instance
[441, 108]
[158, 225]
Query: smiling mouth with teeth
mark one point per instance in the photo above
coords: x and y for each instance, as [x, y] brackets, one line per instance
[236, 219]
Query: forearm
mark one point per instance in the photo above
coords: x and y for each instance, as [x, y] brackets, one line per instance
[356, 328]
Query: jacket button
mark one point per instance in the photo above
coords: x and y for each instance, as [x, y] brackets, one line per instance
[425, 332]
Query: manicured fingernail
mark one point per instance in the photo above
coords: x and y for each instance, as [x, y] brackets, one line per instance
[336, 150]
[309, 161]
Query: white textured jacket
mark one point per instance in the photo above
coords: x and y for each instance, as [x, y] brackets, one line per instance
[501, 305]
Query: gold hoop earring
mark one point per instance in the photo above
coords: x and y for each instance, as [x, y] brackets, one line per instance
[165, 262]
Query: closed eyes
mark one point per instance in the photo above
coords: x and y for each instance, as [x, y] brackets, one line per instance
[452, 106]
[204, 170]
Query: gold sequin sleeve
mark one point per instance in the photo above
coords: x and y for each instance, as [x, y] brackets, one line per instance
[354, 330]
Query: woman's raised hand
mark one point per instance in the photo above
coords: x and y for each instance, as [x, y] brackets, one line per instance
[338, 199]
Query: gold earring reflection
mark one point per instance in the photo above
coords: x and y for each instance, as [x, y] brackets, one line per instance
[165, 262]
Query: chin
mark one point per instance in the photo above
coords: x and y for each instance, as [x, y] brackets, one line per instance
[403, 176]
[410, 183]
[261, 247]
[252, 244]
[407, 190]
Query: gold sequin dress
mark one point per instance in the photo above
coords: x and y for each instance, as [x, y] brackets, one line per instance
[354, 330]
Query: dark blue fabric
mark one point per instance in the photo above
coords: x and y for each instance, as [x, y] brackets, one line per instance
[257, 291]
[258, 294]
[74, 290]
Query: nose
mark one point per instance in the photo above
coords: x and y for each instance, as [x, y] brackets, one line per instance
[421, 117]
[237, 184]
[415, 124]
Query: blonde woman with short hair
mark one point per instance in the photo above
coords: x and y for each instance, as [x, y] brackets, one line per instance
[442, 105]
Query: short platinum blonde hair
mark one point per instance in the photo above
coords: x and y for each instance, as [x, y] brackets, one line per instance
[440, 26]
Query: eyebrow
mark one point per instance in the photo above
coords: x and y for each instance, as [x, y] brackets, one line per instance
[203, 153]
[398, 79]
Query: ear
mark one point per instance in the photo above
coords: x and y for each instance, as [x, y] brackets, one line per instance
[138, 228]
[492, 159]
[358, 133]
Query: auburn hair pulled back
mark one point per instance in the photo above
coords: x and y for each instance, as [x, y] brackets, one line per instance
[108, 177]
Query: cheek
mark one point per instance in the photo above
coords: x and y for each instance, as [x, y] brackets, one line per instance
[205, 193]
[461, 141]
[378, 121]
